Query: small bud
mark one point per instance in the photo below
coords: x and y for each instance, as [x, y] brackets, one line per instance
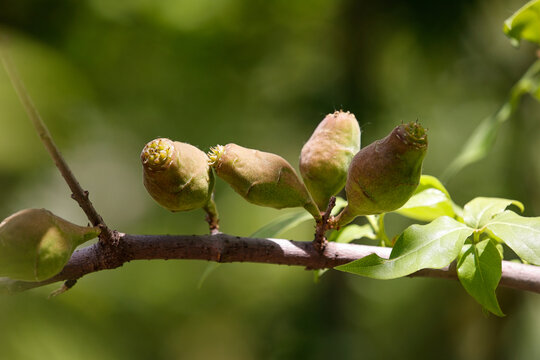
[35, 244]
[261, 178]
[177, 175]
[325, 158]
[384, 174]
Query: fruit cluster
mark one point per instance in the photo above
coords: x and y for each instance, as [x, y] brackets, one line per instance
[35, 244]
[378, 178]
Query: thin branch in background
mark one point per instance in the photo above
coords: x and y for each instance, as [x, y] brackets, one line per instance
[226, 248]
[78, 194]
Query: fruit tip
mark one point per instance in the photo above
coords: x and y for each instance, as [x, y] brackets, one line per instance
[157, 152]
[416, 131]
[214, 154]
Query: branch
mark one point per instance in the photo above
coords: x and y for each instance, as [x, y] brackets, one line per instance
[78, 193]
[228, 248]
[320, 240]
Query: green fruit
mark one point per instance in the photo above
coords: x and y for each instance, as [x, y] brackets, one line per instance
[384, 175]
[177, 175]
[326, 157]
[35, 244]
[261, 178]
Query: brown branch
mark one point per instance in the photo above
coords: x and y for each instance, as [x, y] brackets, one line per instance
[320, 241]
[228, 248]
[120, 248]
[78, 193]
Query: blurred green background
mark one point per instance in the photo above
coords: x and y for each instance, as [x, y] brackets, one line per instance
[108, 76]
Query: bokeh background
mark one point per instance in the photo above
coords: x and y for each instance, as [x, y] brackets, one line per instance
[108, 76]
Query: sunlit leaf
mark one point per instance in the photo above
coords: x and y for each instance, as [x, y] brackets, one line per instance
[524, 24]
[479, 271]
[429, 201]
[478, 211]
[340, 204]
[282, 224]
[352, 232]
[434, 245]
[521, 234]
[431, 182]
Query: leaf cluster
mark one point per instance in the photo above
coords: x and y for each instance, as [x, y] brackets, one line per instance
[472, 236]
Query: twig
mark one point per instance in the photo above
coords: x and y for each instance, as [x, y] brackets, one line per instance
[78, 194]
[212, 217]
[228, 248]
[320, 241]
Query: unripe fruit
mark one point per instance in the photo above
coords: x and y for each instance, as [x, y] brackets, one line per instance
[177, 175]
[261, 178]
[35, 244]
[384, 174]
[326, 157]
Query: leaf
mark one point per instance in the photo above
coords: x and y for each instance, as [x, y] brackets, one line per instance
[340, 204]
[429, 201]
[479, 271]
[476, 147]
[352, 232]
[524, 24]
[428, 182]
[206, 273]
[530, 82]
[521, 234]
[483, 137]
[478, 211]
[317, 274]
[282, 224]
[434, 245]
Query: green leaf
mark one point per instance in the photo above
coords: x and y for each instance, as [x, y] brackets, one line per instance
[352, 232]
[431, 182]
[524, 24]
[479, 271]
[340, 204]
[483, 137]
[210, 268]
[317, 274]
[521, 234]
[429, 201]
[282, 224]
[531, 81]
[434, 245]
[477, 145]
[480, 210]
